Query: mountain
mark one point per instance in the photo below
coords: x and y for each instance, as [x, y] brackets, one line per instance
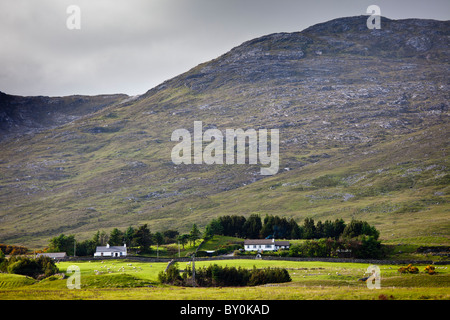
[27, 115]
[363, 125]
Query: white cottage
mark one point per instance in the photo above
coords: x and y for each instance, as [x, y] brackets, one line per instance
[111, 251]
[265, 245]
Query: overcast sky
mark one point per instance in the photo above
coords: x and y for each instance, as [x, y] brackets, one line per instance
[130, 46]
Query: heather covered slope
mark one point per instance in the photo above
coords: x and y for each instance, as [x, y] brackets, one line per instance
[364, 131]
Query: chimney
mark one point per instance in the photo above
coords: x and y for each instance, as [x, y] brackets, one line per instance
[107, 245]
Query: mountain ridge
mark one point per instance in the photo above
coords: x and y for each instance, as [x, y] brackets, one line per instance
[28, 114]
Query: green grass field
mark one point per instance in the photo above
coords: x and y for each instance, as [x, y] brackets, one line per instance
[114, 279]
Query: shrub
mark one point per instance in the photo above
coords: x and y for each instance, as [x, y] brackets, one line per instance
[228, 276]
[413, 269]
[402, 270]
[429, 269]
[274, 275]
[42, 266]
[172, 275]
[215, 275]
[370, 248]
[326, 181]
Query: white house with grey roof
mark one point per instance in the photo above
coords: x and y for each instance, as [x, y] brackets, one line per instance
[265, 245]
[111, 251]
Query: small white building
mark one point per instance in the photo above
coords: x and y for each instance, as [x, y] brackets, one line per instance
[265, 245]
[111, 251]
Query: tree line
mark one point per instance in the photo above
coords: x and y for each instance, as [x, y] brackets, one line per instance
[282, 228]
[364, 248]
[253, 227]
[140, 238]
[218, 276]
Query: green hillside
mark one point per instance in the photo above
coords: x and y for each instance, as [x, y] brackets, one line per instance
[364, 131]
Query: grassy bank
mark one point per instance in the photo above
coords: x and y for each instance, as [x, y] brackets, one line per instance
[310, 280]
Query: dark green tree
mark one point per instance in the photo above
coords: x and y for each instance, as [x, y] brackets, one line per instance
[296, 230]
[309, 229]
[253, 226]
[237, 226]
[232, 225]
[320, 232]
[143, 238]
[357, 228]
[116, 237]
[195, 233]
[183, 239]
[328, 229]
[281, 228]
[268, 224]
[214, 227]
[370, 248]
[369, 230]
[170, 236]
[86, 248]
[62, 243]
[96, 238]
[128, 236]
[159, 240]
[338, 226]
[227, 227]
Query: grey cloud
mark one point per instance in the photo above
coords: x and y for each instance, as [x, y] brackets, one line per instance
[131, 46]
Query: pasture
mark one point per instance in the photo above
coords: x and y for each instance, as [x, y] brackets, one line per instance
[311, 280]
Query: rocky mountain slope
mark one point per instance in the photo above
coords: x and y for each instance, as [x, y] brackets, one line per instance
[27, 115]
[364, 131]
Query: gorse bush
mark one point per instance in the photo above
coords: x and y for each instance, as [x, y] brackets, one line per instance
[412, 269]
[408, 269]
[430, 269]
[12, 249]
